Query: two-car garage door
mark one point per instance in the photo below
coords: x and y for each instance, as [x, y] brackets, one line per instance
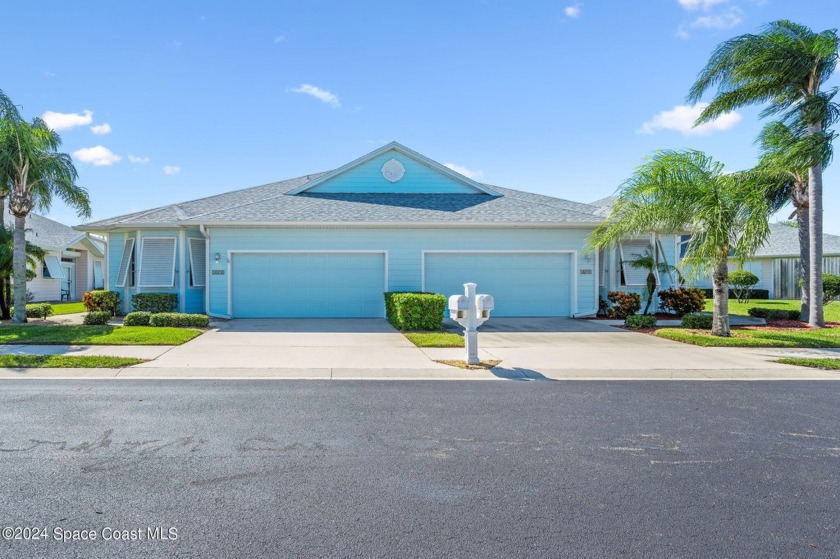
[351, 284]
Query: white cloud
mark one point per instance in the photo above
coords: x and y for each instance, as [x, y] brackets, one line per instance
[171, 170]
[700, 4]
[572, 11]
[322, 95]
[101, 129]
[66, 121]
[726, 20]
[138, 159]
[682, 117]
[469, 173]
[98, 156]
[682, 32]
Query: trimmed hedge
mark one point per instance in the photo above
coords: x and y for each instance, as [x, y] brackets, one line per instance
[179, 320]
[622, 304]
[640, 321]
[138, 318]
[101, 300]
[682, 300]
[760, 294]
[773, 314]
[414, 310]
[697, 321]
[98, 317]
[155, 302]
[39, 310]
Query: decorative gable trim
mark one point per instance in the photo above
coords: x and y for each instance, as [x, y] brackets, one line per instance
[399, 148]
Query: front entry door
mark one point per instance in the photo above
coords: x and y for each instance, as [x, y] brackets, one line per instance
[68, 284]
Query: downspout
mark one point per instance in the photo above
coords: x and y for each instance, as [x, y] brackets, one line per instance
[205, 232]
[182, 276]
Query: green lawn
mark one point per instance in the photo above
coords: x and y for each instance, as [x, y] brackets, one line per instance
[435, 339]
[815, 362]
[828, 337]
[68, 308]
[66, 361]
[95, 335]
[832, 311]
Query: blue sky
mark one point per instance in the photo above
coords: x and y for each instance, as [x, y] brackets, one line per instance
[561, 98]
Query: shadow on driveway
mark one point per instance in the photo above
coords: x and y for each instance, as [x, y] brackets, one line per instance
[537, 324]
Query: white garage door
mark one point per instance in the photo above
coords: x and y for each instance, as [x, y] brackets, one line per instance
[523, 284]
[310, 284]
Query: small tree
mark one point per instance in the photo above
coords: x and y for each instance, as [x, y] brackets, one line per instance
[649, 261]
[742, 281]
[831, 288]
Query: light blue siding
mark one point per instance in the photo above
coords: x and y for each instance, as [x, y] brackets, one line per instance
[523, 284]
[418, 178]
[404, 247]
[285, 285]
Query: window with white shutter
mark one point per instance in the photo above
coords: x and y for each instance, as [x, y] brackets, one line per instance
[630, 250]
[157, 262]
[198, 263]
[53, 268]
[125, 263]
[98, 280]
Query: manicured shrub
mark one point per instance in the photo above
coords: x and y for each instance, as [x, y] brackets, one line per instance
[179, 320]
[623, 304]
[682, 300]
[415, 310]
[640, 321]
[39, 310]
[101, 300]
[138, 318]
[98, 317]
[697, 321]
[741, 282]
[154, 302]
[831, 288]
[762, 294]
[773, 314]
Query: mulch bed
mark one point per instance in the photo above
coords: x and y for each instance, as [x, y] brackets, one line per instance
[786, 325]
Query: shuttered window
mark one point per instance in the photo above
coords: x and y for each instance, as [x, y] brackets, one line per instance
[98, 282]
[52, 268]
[125, 263]
[198, 263]
[629, 251]
[157, 262]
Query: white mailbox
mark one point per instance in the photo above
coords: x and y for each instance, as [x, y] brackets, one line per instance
[458, 307]
[471, 311]
[483, 305]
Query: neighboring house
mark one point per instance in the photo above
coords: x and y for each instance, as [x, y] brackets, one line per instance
[330, 244]
[74, 262]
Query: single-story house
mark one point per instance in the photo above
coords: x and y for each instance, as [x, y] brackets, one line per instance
[74, 263]
[329, 244]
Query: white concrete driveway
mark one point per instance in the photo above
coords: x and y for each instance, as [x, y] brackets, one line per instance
[368, 343]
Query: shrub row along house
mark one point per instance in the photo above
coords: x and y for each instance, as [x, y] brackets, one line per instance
[330, 244]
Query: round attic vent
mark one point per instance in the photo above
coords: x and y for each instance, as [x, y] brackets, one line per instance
[393, 170]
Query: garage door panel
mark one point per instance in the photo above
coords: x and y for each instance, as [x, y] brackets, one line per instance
[292, 285]
[526, 284]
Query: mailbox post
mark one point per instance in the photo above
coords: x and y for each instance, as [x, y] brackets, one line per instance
[471, 310]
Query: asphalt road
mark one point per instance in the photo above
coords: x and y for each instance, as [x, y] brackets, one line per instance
[421, 469]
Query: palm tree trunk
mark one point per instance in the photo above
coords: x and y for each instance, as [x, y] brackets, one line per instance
[5, 284]
[19, 265]
[815, 250]
[804, 262]
[720, 291]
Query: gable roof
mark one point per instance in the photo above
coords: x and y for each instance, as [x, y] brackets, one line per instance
[49, 234]
[784, 241]
[401, 149]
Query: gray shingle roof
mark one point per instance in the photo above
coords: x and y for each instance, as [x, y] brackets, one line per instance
[784, 241]
[45, 232]
[271, 203]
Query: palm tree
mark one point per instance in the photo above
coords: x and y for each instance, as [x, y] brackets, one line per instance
[34, 257]
[785, 157]
[784, 66]
[649, 261]
[34, 172]
[689, 191]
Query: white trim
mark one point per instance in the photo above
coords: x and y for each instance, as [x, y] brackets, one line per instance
[362, 225]
[182, 270]
[573, 266]
[140, 261]
[129, 252]
[107, 266]
[399, 148]
[231, 253]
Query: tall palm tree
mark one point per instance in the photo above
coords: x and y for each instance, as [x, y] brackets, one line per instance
[34, 258]
[785, 159]
[650, 262]
[688, 190]
[34, 171]
[785, 66]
